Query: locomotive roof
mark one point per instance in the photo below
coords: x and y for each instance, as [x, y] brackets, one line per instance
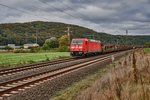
[87, 39]
[94, 40]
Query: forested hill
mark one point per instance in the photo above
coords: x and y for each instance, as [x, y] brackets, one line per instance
[21, 33]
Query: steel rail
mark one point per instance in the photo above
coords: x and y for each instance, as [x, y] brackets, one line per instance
[32, 66]
[26, 81]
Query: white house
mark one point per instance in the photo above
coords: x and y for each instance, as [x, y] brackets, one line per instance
[26, 46]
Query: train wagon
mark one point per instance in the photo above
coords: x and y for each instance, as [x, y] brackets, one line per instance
[84, 46]
[107, 48]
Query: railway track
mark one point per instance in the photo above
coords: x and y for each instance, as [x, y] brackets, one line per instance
[32, 66]
[13, 86]
[15, 70]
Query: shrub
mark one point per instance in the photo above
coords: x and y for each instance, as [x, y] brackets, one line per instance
[37, 49]
[63, 49]
[45, 47]
[21, 50]
[8, 48]
[51, 43]
[47, 59]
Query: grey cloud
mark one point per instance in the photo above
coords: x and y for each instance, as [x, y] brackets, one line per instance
[111, 15]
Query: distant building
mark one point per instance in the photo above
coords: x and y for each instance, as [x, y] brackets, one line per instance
[26, 46]
[12, 46]
[2, 47]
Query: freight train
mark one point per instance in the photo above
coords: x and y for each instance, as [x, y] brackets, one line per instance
[85, 47]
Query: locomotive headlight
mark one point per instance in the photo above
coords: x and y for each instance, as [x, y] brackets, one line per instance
[72, 47]
[80, 47]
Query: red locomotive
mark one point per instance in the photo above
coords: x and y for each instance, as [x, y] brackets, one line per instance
[84, 46]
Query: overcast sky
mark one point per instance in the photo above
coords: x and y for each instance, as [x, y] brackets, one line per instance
[111, 16]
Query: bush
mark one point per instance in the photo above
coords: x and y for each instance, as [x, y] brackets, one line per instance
[35, 49]
[63, 49]
[8, 48]
[21, 50]
[31, 50]
[51, 43]
[45, 47]
[47, 58]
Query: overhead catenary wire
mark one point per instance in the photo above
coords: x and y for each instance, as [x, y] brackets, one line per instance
[22, 11]
[62, 3]
[76, 17]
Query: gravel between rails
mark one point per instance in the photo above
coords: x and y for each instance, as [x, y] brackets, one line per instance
[46, 90]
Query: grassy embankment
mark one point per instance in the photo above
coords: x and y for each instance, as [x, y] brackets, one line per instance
[126, 79]
[147, 50]
[9, 59]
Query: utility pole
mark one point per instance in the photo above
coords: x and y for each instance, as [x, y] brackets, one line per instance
[68, 33]
[126, 32]
[93, 36]
[126, 35]
[36, 35]
[26, 37]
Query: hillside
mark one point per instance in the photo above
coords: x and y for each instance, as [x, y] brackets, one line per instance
[21, 33]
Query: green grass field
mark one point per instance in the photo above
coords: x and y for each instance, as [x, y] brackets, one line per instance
[147, 50]
[23, 58]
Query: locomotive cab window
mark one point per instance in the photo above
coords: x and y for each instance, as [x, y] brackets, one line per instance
[77, 42]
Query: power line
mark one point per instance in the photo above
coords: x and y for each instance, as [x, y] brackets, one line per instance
[126, 32]
[20, 10]
[73, 9]
[38, 8]
[59, 10]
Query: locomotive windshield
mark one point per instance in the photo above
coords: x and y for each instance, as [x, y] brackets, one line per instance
[77, 42]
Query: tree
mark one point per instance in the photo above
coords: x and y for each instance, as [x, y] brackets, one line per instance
[64, 43]
[64, 40]
[51, 43]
